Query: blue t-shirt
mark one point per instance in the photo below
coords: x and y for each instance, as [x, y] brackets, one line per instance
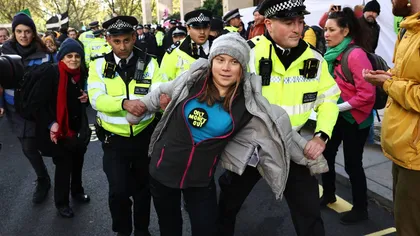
[207, 121]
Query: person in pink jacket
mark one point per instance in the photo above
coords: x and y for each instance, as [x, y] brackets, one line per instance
[342, 30]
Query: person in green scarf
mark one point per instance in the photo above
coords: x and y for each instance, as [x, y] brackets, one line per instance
[342, 30]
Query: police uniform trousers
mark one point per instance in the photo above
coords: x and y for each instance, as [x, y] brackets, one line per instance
[126, 165]
[301, 193]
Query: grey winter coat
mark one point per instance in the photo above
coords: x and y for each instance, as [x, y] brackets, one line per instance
[269, 130]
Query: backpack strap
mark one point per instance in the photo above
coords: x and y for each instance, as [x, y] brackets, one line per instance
[345, 63]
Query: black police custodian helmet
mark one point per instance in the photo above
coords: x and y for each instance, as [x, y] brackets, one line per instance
[120, 25]
[283, 8]
[198, 18]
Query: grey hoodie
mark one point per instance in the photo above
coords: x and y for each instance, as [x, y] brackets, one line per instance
[269, 130]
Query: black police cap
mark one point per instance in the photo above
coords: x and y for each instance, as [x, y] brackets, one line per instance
[198, 18]
[120, 25]
[173, 22]
[231, 15]
[93, 24]
[179, 31]
[283, 8]
[216, 24]
[139, 27]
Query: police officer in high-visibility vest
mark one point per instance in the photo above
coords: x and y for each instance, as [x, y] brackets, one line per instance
[295, 77]
[88, 36]
[116, 82]
[232, 21]
[97, 47]
[179, 57]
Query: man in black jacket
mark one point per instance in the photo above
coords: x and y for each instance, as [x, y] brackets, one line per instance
[369, 24]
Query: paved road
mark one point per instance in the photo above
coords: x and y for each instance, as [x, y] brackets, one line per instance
[261, 214]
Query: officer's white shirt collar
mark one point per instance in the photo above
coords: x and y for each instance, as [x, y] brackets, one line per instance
[285, 50]
[206, 47]
[117, 59]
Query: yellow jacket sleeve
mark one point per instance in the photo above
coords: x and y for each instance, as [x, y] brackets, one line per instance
[405, 93]
[168, 67]
[310, 37]
[98, 97]
[326, 103]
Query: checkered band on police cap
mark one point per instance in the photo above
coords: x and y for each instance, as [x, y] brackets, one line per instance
[199, 19]
[282, 6]
[119, 24]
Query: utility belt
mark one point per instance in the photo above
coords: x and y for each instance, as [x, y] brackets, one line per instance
[102, 134]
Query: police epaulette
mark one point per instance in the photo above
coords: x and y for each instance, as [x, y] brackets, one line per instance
[97, 56]
[315, 49]
[251, 44]
[173, 47]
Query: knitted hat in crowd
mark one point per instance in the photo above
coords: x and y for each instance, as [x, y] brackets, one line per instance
[372, 6]
[234, 45]
[68, 46]
[23, 19]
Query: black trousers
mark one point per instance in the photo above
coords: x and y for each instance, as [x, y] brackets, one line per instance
[354, 140]
[302, 196]
[30, 150]
[68, 176]
[126, 165]
[202, 208]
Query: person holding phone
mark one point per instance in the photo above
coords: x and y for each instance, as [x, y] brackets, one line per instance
[324, 18]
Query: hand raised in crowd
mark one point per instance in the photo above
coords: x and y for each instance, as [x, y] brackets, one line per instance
[314, 148]
[377, 77]
[164, 101]
[53, 132]
[333, 8]
[135, 107]
[84, 98]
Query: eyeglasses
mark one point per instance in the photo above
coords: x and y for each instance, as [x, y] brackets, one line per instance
[70, 56]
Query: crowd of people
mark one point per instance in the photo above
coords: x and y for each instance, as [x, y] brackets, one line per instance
[173, 104]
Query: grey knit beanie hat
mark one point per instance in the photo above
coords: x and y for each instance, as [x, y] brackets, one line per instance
[234, 45]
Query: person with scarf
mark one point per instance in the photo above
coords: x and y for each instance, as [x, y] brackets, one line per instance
[26, 43]
[61, 123]
[216, 113]
[355, 118]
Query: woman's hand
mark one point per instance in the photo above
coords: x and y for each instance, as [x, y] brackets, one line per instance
[377, 77]
[84, 98]
[53, 132]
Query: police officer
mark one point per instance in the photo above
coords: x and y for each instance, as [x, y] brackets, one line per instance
[216, 27]
[295, 77]
[232, 21]
[96, 47]
[145, 41]
[179, 57]
[179, 34]
[115, 82]
[87, 36]
[146, 28]
[167, 40]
